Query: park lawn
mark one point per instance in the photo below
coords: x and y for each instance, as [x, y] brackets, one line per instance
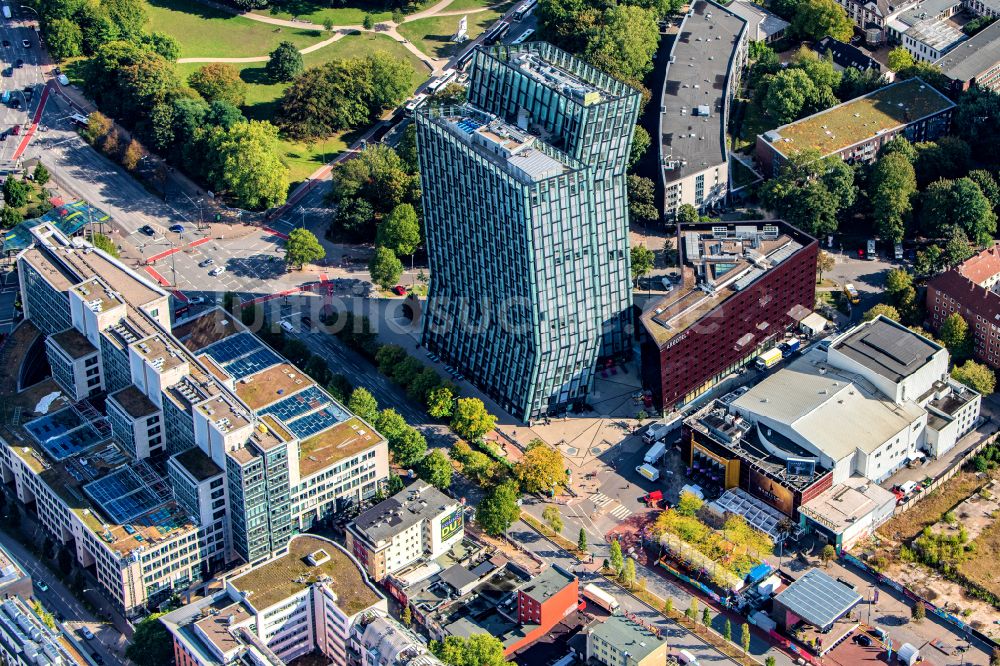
[263, 96]
[433, 35]
[205, 32]
[317, 11]
[459, 5]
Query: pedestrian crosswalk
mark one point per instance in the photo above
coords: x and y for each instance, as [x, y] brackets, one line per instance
[621, 512]
[600, 499]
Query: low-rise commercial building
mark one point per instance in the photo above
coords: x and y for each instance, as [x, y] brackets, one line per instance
[819, 608]
[703, 74]
[975, 61]
[743, 285]
[855, 130]
[417, 523]
[848, 511]
[311, 599]
[622, 642]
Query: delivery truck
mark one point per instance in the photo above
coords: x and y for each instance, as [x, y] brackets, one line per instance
[601, 598]
[659, 430]
[654, 454]
[648, 471]
[769, 359]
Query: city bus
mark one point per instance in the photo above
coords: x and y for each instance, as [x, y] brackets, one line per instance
[525, 9]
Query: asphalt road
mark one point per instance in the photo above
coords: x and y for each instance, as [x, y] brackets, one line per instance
[108, 641]
[29, 75]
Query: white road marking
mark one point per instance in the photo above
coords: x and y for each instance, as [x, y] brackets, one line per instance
[600, 499]
[621, 512]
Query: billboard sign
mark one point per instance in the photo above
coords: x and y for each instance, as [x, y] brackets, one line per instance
[772, 492]
[452, 524]
[801, 467]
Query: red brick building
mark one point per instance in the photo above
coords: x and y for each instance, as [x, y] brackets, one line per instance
[744, 285]
[971, 290]
[542, 603]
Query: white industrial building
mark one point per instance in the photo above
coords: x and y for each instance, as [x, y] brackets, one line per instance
[872, 402]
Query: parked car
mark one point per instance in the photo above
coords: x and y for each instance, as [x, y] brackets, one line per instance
[63, 80]
[218, 270]
[862, 639]
[26, 43]
[87, 633]
[197, 300]
[206, 262]
[177, 228]
[41, 585]
[18, 64]
[287, 326]
[98, 659]
[399, 290]
[148, 230]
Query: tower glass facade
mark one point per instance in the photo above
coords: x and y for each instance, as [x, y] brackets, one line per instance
[526, 219]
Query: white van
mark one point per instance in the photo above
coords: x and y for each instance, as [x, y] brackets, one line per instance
[6, 12]
[287, 327]
[686, 658]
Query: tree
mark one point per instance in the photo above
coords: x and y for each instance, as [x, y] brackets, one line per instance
[857, 82]
[284, 63]
[436, 469]
[162, 44]
[249, 165]
[897, 281]
[553, 519]
[102, 242]
[973, 212]
[745, 637]
[440, 402]
[63, 39]
[988, 185]
[303, 248]
[828, 554]
[369, 22]
[977, 120]
[954, 334]
[471, 420]
[219, 81]
[377, 174]
[400, 230]
[692, 610]
[617, 559]
[948, 157]
[406, 617]
[10, 217]
[976, 376]
[892, 184]
[918, 611]
[40, 174]
[15, 192]
[641, 142]
[581, 541]
[899, 59]
[668, 606]
[824, 263]
[928, 261]
[884, 310]
[642, 261]
[499, 509]
[452, 93]
[958, 248]
[385, 267]
[127, 81]
[626, 42]
[355, 218]
[706, 617]
[727, 630]
[363, 404]
[810, 191]
[687, 214]
[769, 660]
[642, 198]
[788, 91]
[542, 469]
[628, 573]
[151, 643]
[133, 154]
[815, 19]
[390, 423]
[688, 504]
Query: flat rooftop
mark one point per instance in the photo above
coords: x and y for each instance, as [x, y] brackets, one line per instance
[972, 57]
[135, 403]
[74, 343]
[715, 266]
[289, 574]
[206, 329]
[341, 441]
[862, 118]
[844, 504]
[272, 385]
[548, 583]
[694, 91]
[224, 414]
[198, 464]
[218, 626]
[818, 599]
[635, 639]
[887, 348]
[160, 353]
[421, 501]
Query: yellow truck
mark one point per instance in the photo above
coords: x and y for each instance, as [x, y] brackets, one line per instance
[851, 293]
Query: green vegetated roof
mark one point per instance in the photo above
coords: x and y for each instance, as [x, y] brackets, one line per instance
[68, 218]
[858, 119]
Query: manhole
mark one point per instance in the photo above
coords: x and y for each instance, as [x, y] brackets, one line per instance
[572, 450]
[596, 450]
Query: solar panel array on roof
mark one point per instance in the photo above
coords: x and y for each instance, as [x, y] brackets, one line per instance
[818, 599]
[233, 347]
[123, 495]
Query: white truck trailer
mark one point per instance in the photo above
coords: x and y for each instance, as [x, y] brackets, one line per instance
[601, 598]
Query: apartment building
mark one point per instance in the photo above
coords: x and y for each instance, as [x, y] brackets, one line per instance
[313, 598]
[417, 523]
[526, 219]
[703, 75]
[743, 285]
[971, 290]
[620, 641]
[191, 447]
[855, 130]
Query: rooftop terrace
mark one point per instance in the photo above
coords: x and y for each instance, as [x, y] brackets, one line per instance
[852, 122]
[289, 574]
[341, 441]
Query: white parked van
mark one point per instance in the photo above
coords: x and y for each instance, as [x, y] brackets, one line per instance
[6, 12]
[686, 658]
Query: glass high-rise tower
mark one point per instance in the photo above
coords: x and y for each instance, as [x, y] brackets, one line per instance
[526, 217]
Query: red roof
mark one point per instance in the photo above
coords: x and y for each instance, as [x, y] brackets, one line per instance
[978, 300]
[982, 266]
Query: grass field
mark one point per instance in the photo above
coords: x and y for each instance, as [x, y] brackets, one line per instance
[457, 5]
[318, 11]
[262, 96]
[433, 35]
[929, 510]
[203, 32]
